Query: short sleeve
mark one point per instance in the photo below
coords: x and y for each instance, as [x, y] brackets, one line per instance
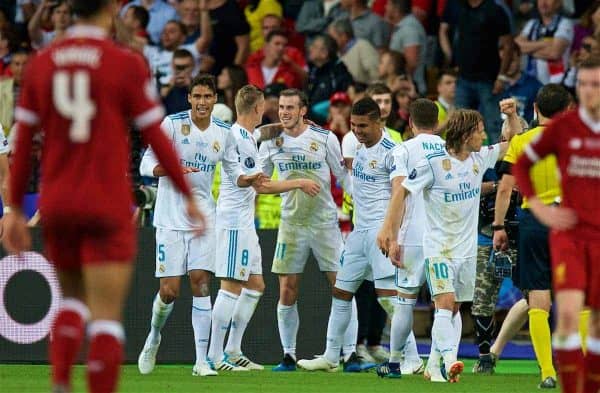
[565, 30]
[264, 159]
[502, 21]
[489, 155]
[419, 178]
[142, 103]
[526, 32]
[411, 37]
[349, 145]
[238, 23]
[400, 154]
[231, 159]
[512, 154]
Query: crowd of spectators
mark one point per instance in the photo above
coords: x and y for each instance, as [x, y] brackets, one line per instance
[469, 53]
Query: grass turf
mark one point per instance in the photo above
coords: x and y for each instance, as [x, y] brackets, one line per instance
[512, 376]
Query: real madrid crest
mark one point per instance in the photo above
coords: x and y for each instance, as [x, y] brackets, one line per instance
[216, 147]
[185, 129]
[373, 164]
[475, 169]
[314, 147]
[279, 141]
[446, 164]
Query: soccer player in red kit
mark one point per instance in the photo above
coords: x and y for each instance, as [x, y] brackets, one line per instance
[81, 92]
[574, 138]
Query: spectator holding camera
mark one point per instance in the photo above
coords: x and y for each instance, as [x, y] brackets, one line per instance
[533, 251]
[174, 94]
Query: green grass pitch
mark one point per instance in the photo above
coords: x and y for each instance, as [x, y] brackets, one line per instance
[511, 376]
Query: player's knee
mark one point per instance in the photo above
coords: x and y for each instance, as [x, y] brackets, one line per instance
[539, 299]
[257, 285]
[594, 324]
[168, 293]
[341, 294]
[568, 321]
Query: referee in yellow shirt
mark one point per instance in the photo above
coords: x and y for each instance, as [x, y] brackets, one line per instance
[534, 276]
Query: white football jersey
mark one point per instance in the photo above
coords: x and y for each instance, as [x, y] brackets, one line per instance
[406, 157]
[197, 149]
[451, 191]
[235, 206]
[311, 155]
[371, 183]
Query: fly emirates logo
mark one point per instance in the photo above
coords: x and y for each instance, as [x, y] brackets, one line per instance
[467, 191]
[584, 166]
[298, 163]
[200, 162]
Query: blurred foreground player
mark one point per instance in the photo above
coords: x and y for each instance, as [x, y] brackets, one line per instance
[82, 91]
[574, 138]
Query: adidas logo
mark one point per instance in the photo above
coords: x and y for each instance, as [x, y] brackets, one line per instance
[186, 141]
[448, 176]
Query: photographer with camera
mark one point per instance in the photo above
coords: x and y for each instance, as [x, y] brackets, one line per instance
[174, 94]
[533, 252]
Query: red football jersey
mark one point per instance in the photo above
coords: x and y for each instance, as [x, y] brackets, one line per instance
[574, 138]
[81, 92]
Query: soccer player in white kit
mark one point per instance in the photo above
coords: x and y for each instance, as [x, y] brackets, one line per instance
[307, 223]
[201, 142]
[410, 277]
[450, 181]
[371, 179]
[238, 259]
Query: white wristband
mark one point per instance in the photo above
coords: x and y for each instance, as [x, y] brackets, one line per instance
[6, 209]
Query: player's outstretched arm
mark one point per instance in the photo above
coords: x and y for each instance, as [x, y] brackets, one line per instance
[307, 186]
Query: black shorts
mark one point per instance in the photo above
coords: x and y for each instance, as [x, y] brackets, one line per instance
[534, 254]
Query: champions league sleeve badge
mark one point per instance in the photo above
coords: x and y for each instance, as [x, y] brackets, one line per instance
[413, 174]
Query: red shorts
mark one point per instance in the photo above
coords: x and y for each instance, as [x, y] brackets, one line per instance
[576, 265]
[71, 245]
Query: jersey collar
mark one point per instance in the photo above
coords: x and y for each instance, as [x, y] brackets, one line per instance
[86, 31]
[588, 121]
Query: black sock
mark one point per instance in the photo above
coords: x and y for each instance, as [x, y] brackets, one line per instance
[484, 328]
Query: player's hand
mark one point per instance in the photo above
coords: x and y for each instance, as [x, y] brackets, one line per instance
[559, 218]
[189, 169]
[310, 122]
[196, 216]
[385, 239]
[255, 180]
[508, 106]
[310, 187]
[16, 237]
[500, 240]
[270, 131]
[396, 252]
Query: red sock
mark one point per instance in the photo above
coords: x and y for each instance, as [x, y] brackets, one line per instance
[570, 369]
[104, 363]
[65, 341]
[592, 372]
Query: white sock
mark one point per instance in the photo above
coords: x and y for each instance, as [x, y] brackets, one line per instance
[401, 327]
[434, 357]
[201, 310]
[443, 335]
[339, 318]
[221, 316]
[244, 309]
[351, 334]
[160, 314]
[288, 322]
[411, 352]
[457, 323]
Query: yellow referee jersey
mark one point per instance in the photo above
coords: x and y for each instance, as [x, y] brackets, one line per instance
[544, 173]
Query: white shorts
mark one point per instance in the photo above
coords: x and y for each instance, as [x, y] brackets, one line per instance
[294, 243]
[362, 260]
[178, 252]
[238, 254]
[451, 276]
[411, 277]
